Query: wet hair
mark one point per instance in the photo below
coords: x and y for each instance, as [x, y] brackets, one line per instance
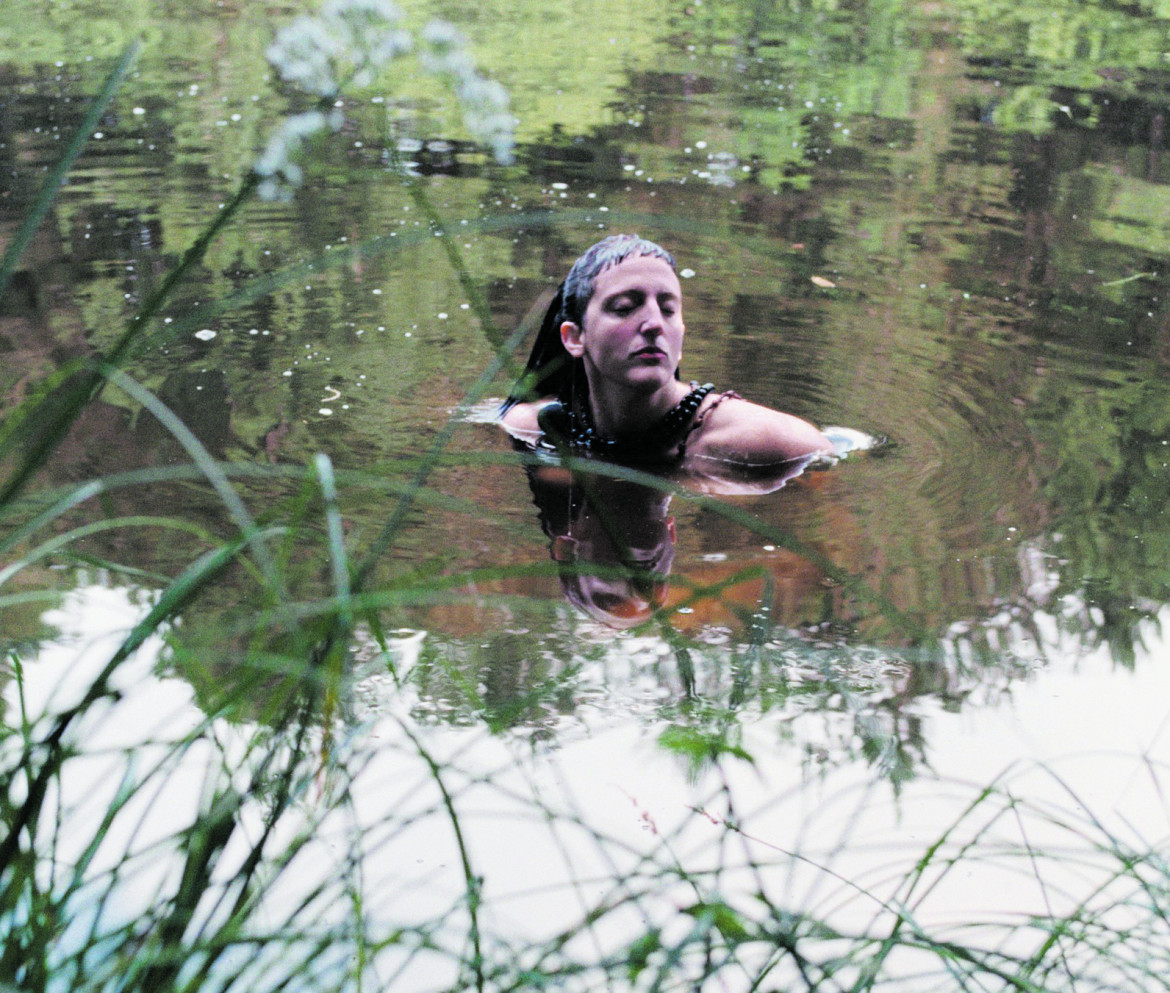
[550, 369]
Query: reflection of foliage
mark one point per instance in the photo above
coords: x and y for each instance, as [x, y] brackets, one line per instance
[838, 704]
[782, 88]
[1110, 482]
[1078, 46]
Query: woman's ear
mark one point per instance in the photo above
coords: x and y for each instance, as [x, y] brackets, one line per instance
[571, 339]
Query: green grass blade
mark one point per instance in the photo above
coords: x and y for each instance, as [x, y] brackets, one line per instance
[61, 541]
[210, 468]
[338, 561]
[182, 591]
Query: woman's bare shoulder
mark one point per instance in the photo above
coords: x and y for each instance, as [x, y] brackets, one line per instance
[520, 421]
[738, 430]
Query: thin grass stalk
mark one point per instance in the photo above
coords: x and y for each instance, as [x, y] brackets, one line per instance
[1042, 952]
[232, 931]
[901, 908]
[89, 384]
[1064, 927]
[211, 470]
[68, 501]
[429, 462]
[337, 640]
[182, 591]
[130, 789]
[55, 544]
[470, 879]
[206, 841]
[338, 559]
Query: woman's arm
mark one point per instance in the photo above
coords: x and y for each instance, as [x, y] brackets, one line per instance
[737, 430]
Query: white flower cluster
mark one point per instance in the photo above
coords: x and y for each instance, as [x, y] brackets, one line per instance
[484, 101]
[347, 43]
[280, 174]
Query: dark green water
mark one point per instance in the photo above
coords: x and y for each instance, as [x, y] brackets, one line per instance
[989, 210]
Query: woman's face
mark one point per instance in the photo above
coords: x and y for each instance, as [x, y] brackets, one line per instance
[633, 326]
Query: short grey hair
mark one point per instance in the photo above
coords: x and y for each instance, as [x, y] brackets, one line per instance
[611, 251]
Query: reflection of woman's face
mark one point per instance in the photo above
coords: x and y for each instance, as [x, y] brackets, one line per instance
[633, 325]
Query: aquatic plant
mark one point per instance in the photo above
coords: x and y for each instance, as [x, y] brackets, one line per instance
[346, 45]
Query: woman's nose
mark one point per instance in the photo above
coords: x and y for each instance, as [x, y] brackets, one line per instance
[652, 319]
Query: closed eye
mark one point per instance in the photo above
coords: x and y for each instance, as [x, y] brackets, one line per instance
[625, 304]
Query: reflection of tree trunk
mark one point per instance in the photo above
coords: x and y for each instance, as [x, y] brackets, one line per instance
[1032, 195]
[1157, 134]
[41, 329]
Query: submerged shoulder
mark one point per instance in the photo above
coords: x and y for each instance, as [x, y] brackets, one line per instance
[738, 430]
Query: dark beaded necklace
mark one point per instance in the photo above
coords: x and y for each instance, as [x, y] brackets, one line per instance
[577, 427]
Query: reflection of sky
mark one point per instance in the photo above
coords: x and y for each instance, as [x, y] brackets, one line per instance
[555, 830]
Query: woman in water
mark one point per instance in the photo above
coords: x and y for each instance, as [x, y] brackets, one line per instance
[603, 375]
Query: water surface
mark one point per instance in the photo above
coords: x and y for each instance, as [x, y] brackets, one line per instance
[942, 225]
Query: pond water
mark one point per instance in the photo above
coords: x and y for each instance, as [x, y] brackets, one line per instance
[943, 227]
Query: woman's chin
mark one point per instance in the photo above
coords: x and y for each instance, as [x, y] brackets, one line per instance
[650, 377]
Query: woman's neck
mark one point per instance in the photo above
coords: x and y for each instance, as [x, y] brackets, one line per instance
[618, 411]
